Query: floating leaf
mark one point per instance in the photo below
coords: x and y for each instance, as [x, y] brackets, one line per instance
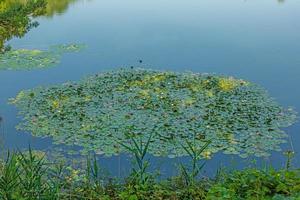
[102, 111]
[25, 59]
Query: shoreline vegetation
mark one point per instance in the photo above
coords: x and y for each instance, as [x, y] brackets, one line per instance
[31, 176]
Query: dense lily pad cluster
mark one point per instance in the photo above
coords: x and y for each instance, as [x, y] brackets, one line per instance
[26, 59]
[102, 111]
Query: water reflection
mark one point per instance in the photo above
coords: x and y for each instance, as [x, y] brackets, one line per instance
[16, 16]
[57, 7]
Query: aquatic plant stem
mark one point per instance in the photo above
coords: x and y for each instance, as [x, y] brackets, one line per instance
[139, 150]
[195, 155]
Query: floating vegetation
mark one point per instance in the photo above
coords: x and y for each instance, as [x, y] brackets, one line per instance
[100, 112]
[25, 59]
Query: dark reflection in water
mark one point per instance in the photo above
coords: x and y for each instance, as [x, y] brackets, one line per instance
[255, 40]
[17, 16]
[57, 7]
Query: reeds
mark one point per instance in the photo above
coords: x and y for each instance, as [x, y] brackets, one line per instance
[31, 176]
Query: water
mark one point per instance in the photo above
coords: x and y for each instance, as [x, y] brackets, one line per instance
[255, 40]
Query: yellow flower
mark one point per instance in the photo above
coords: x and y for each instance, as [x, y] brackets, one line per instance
[88, 98]
[144, 92]
[55, 104]
[210, 93]
[206, 154]
[136, 83]
[148, 80]
[227, 84]
[157, 78]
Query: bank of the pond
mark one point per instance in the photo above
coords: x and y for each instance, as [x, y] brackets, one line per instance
[30, 176]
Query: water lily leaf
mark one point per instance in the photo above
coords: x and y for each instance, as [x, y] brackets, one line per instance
[102, 111]
[27, 59]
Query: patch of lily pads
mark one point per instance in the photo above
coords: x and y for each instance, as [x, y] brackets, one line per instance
[102, 111]
[27, 59]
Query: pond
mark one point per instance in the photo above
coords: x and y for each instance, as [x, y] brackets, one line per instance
[258, 41]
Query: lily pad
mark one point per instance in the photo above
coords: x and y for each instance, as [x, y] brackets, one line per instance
[26, 59]
[102, 111]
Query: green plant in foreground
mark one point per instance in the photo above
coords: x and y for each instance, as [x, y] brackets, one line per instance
[56, 181]
[194, 153]
[94, 179]
[60, 181]
[256, 184]
[139, 149]
[9, 175]
[289, 157]
[33, 171]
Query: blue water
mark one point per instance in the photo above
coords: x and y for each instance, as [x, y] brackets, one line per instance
[257, 40]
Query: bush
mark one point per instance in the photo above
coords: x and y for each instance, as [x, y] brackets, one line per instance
[257, 184]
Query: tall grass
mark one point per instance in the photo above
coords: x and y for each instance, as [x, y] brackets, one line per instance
[9, 177]
[30, 176]
[194, 153]
[139, 149]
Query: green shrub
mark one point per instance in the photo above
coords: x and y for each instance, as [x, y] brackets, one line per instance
[256, 184]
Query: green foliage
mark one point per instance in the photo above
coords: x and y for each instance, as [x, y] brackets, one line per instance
[139, 149]
[9, 175]
[33, 170]
[257, 184]
[57, 7]
[16, 18]
[32, 176]
[289, 155]
[25, 59]
[98, 112]
[195, 154]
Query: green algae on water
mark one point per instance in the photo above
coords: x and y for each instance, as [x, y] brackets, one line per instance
[27, 59]
[99, 112]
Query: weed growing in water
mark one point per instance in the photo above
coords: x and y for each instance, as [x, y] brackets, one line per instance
[195, 154]
[139, 149]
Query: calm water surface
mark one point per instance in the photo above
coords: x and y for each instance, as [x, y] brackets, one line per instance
[257, 40]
